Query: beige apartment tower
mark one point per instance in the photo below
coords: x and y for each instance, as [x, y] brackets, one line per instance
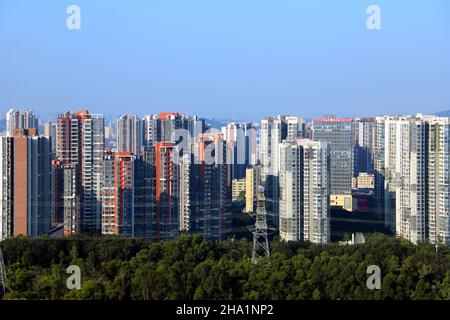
[304, 191]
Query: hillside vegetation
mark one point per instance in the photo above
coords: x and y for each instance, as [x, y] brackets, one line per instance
[192, 268]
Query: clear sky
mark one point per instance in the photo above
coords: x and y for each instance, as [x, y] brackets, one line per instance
[240, 59]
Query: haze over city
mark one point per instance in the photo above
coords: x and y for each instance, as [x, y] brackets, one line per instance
[229, 59]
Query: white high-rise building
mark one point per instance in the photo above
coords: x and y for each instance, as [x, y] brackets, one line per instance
[401, 174]
[304, 191]
[439, 180]
[273, 131]
[240, 147]
[50, 131]
[130, 134]
[20, 119]
[411, 190]
[93, 129]
[295, 127]
[412, 176]
[151, 129]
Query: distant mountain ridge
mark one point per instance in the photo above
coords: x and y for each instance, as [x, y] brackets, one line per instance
[445, 113]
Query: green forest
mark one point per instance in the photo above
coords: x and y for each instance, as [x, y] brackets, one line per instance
[192, 268]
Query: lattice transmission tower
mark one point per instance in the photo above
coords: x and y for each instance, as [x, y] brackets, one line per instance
[259, 230]
[2, 275]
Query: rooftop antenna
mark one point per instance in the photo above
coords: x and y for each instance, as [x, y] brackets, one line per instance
[259, 230]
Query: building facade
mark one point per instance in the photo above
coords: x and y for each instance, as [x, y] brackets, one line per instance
[167, 193]
[304, 191]
[80, 147]
[339, 133]
[411, 162]
[364, 144]
[26, 207]
[20, 119]
[205, 195]
[130, 134]
[252, 182]
[273, 131]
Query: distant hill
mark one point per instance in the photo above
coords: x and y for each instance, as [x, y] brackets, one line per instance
[445, 113]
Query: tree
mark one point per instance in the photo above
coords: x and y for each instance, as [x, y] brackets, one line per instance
[190, 267]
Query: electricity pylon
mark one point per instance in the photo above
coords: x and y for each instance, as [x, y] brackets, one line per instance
[2, 275]
[259, 230]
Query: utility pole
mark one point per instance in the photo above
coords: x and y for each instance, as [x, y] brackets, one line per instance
[2, 275]
[259, 230]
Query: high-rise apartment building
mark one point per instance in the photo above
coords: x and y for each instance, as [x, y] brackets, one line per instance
[205, 195]
[168, 123]
[364, 144]
[167, 192]
[80, 146]
[252, 182]
[50, 131]
[25, 206]
[127, 199]
[151, 130]
[130, 134]
[439, 180]
[393, 175]
[68, 138]
[411, 164]
[124, 193]
[93, 142]
[273, 131]
[57, 193]
[304, 191]
[6, 188]
[20, 119]
[162, 127]
[411, 190]
[295, 127]
[108, 193]
[71, 199]
[240, 147]
[339, 133]
[145, 194]
[194, 125]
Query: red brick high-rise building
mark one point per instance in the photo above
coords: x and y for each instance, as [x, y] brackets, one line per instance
[167, 192]
[25, 189]
[124, 205]
[79, 147]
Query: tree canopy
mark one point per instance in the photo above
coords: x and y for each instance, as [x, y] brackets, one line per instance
[192, 268]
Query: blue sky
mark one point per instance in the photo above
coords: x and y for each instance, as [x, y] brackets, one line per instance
[240, 59]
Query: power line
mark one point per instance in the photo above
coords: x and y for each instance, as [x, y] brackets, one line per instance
[3, 285]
